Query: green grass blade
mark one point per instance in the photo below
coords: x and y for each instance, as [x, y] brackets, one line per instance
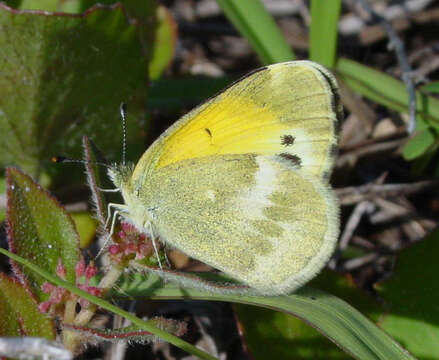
[386, 90]
[323, 31]
[333, 317]
[253, 21]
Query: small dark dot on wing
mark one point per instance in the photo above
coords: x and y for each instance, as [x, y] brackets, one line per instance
[287, 140]
[293, 158]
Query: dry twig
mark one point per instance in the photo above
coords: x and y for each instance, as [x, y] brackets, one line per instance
[398, 46]
[355, 194]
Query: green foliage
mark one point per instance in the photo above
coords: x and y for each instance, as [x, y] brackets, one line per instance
[432, 87]
[276, 334]
[386, 90]
[328, 314]
[420, 144]
[258, 27]
[411, 298]
[163, 44]
[323, 31]
[47, 243]
[19, 314]
[86, 225]
[64, 76]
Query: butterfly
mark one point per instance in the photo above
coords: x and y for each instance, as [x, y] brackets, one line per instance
[242, 181]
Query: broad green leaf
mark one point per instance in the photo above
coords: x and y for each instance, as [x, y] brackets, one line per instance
[48, 5]
[386, 90]
[254, 23]
[323, 31]
[419, 144]
[331, 316]
[39, 230]
[411, 296]
[19, 314]
[64, 76]
[157, 31]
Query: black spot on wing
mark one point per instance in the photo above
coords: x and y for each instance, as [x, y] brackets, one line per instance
[294, 159]
[208, 131]
[287, 140]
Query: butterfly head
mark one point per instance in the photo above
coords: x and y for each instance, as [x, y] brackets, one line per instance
[120, 174]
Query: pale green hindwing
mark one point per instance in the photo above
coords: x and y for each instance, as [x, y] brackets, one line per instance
[256, 218]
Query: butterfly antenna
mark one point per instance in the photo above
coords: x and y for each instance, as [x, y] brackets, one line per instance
[63, 159]
[123, 115]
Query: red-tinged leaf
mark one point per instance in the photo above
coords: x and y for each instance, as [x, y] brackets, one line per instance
[92, 157]
[19, 314]
[39, 230]
[130, 333]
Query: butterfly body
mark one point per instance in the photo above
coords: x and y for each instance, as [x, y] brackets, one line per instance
[241, 182]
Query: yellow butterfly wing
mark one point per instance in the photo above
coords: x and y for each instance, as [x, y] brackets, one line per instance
[241, 181]
[290, 109]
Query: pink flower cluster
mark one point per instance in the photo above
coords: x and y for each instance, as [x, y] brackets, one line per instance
[59, 295]
[130, 245]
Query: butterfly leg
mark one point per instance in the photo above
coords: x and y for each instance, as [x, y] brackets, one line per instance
[155, 246]
[113, 219]
[113, 223]
[109, 190]
[109, 206]
[166, 257]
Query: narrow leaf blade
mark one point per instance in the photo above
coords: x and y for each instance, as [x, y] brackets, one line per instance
[323, 31]
[333, 317]
[254, 23]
